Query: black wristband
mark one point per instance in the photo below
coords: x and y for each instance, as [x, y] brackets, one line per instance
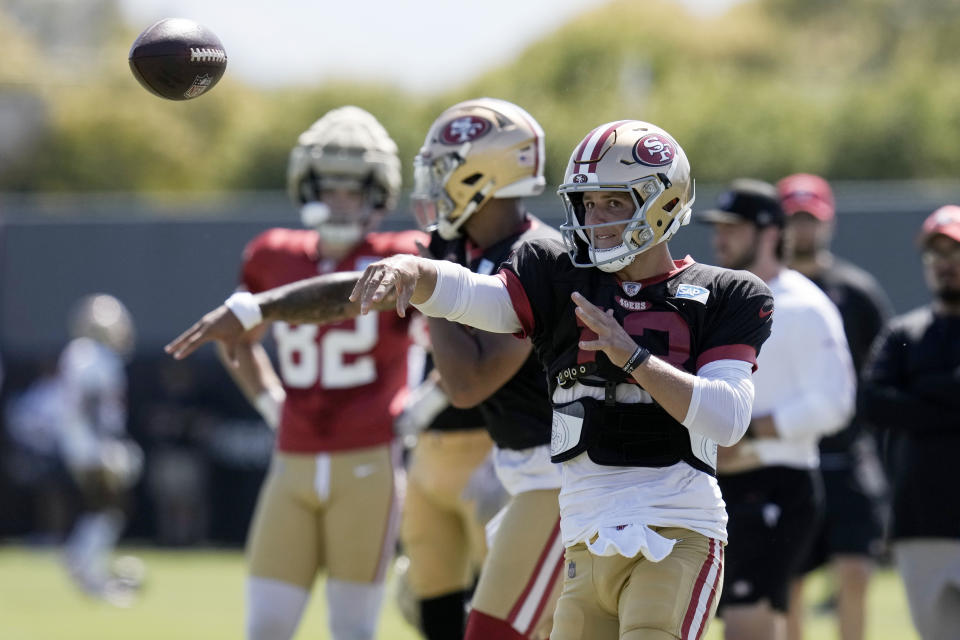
[638, 358]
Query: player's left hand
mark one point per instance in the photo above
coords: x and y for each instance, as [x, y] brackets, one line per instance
[220, 324]
[612, 338]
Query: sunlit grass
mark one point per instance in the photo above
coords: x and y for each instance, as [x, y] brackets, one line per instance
[199, 594]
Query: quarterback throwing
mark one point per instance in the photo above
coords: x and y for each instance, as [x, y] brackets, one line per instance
[650, 363]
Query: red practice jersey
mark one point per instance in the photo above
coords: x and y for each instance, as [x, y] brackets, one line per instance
[346, 381]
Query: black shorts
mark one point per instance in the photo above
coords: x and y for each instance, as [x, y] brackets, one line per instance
[851, 523]
[774, 515]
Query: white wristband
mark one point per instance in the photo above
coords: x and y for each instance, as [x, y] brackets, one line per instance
[245, 307]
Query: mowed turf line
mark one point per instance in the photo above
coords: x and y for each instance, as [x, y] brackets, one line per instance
[199, 594]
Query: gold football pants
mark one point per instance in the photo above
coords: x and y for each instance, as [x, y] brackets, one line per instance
[336, 510]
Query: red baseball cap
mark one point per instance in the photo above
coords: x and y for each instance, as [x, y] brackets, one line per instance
[806, 192]
[944, 221]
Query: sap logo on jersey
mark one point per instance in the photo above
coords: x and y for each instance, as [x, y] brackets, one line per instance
[693, 293]
[654, 150]
[464, 129]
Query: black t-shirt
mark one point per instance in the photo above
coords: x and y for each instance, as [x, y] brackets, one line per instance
[518, 414]
[693, 315]
[864, 308]
[911, 390]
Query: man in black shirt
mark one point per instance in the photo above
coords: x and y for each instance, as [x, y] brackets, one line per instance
[479, 159]
[911, 390]
[850, 533]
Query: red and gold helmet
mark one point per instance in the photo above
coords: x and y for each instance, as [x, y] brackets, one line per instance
[476, 150]
[645, 162]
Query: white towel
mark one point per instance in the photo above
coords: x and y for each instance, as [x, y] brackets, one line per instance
[630, 539]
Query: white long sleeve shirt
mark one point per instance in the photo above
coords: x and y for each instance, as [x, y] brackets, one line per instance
[805, 378]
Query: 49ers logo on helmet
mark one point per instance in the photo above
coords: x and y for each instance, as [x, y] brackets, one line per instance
[654, 150]
[464, 129]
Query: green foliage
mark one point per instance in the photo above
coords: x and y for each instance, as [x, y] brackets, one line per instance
[861, 89]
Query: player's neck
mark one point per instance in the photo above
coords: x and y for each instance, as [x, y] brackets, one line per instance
[946, 308]
[812, 265]
[497, 220]
[335, 252]
[766, 267]
[648, 264]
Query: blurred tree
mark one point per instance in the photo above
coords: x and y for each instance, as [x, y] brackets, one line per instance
[860, 89]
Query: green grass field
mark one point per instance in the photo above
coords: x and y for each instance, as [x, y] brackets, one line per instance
[199, 594]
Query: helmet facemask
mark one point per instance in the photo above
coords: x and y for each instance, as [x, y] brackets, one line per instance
[339, 226]
[637, 235]
[431, 203]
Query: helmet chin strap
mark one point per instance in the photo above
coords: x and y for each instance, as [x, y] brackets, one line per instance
[615, 256]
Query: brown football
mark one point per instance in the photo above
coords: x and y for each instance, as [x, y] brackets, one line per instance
[178, 59]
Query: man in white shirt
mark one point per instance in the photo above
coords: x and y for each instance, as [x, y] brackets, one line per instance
[805, 389]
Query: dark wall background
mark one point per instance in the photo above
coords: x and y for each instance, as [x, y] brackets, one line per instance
[170, 263]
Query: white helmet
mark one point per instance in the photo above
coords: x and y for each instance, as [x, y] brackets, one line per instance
[346, 148]
[103, 318]
[641, 160]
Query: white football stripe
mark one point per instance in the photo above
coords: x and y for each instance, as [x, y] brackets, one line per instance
[524, 618]
[709, 584]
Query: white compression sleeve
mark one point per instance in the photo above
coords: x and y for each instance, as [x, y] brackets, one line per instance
[722, 401]
[472, 299]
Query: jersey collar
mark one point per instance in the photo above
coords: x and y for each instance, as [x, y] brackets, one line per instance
[678, 266]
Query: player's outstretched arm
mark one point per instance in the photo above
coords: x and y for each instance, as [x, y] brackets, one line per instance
[318, 300]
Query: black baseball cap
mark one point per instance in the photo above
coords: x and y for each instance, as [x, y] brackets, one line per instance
[747, 200]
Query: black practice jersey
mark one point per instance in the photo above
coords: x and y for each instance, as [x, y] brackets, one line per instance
[864, 308]
[911, 390]
[693, 315]
[452, 418]
[518, 414]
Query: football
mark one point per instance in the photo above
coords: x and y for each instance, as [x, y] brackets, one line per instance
[177, 59]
